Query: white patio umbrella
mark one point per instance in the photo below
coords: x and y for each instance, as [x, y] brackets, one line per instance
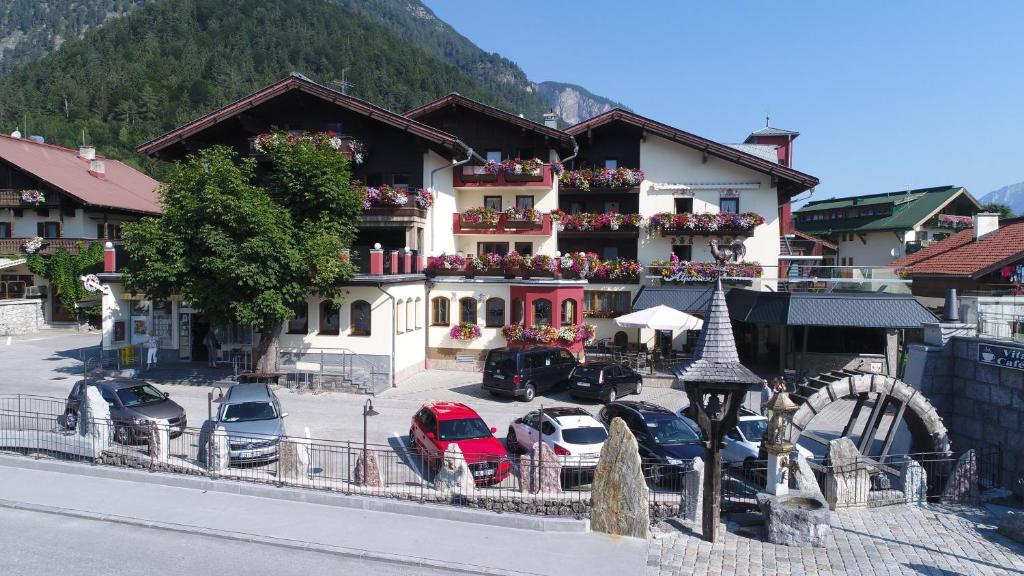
[660, 318]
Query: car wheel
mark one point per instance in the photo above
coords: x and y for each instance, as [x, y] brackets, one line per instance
[639, 387]
[122, 434]
[493, 393]
[610, 396]
[530, 393]
[70, 420]
[511, 442]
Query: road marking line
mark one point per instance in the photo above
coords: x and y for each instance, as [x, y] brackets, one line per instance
[409, 453]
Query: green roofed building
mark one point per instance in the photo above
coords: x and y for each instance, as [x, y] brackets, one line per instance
[875, 229]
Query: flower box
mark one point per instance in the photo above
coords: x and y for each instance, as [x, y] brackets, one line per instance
[524, 177]
[476, 225]
[704, 224]
[523, 224]
[477, 174]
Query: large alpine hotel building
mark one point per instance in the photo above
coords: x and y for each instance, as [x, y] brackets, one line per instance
[459, 245]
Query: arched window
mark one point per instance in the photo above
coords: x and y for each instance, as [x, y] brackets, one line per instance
[299, 324]
[400, 316]
[517, 311]
[621, 340]
[542, 312]
[568, 312]
[467, 310]
[418, 313]
[439, 311]
[330, 318]
[360, 318]
[495, 312]
[410, 315]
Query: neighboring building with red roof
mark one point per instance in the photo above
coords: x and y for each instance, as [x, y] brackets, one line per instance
[987, 257]
[53, 197]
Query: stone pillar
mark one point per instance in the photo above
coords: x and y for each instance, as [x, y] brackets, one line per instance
[540, 470]
[454, 474]
[802, 476]
[367, 471]
[407, 262]
[289, 465]
[94, 420]
[159, 442]
[962, 486]
[109, 258]
[915, 483]
[847, 484]
[220, 458]
[619, 501]
[693, 491]
[394, 262]
[377, 261]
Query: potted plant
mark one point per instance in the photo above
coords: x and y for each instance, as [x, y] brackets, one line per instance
[464, 332]
[522, 218]
[519, 170]
[539, 265]
[479, 218]
[35, 197]
[512, 263]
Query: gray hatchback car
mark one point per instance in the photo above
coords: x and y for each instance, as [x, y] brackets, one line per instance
[252, 417]
[135, 405]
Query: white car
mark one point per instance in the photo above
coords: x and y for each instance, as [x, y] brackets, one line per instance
[744, 442]
[573, 434]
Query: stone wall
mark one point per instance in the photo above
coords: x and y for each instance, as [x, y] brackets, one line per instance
[982, 405]
[21, 316]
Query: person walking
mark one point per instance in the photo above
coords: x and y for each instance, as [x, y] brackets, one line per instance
[212, 345]
[152, 345]
[766, 396]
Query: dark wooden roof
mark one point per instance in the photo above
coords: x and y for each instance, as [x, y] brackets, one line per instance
[297, 81]
[792, 181]
[461, 101]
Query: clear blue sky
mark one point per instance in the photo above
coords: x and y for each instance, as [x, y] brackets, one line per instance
[885, 94]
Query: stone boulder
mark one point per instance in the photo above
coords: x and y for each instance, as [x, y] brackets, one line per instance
[801, 477]
[541, 470]
[94, 419]
[367, 472]
[1011, 525]
[962, 485]
[796, 519]
[619, 502]
[220, 456]
[454, 474]
[290, 467]
[915, 483]
[159, 440]
[848, 480]
[693, 491]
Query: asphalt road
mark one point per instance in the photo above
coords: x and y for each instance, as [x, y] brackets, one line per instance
[42, 544]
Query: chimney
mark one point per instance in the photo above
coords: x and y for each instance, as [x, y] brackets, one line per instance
[109, 258]
[985, 223]
[98, 168]
[87, 152]
[551, 120]
[951, 310]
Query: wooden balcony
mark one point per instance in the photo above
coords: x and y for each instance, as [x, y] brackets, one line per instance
[15, 246]
[11, 198]
[391, 216]
[503, 226]
[476, 177]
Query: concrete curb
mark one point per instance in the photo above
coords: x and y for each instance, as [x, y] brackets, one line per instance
[309, 496]
[266, 540]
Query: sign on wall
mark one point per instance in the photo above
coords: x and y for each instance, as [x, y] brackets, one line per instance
[1003, 356]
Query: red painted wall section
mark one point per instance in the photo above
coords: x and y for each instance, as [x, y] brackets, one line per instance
[377, 262]
[554, 294]
[785, 144]
[394, 262]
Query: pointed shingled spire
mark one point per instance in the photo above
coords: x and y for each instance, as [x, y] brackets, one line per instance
[715, 359]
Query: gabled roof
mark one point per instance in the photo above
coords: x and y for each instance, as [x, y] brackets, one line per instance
[296, 81]
[455, 99]
[121, 188]
[909, 209]
[961, 255]
[715, 359]
[791, 181]
[770, 131]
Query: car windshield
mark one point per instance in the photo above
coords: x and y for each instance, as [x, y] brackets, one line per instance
[500, 360]
[135, 396]
[587, 435]
[672, 431]
[753, 430]
[586, 373]
[463, 429]
[248, 411]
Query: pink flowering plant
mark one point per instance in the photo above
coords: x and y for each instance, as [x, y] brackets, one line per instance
[384, 196]
[447, 262]
[522, 214]
[619, 269]
[464, 331]
[586, 221]
[480, 215]
[425, 198]
[954, 221]
[705, 222]
[681, 270]
[489, 261]
[33, 197]
[266, 141]
[515, 166]
[544, 334]
[579, 264]
[540, 263]
[586, 178]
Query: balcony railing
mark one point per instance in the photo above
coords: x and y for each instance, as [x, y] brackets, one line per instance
[607, 224]
[705, 224]
[482, 177]
[954, 221]
[16, 246]
[12, 198]
[502, 225]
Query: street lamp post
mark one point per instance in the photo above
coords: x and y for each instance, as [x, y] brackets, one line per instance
[367, 412]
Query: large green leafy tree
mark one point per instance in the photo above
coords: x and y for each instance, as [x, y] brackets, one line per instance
[1003, 210]
[247, 248]
[63, 269]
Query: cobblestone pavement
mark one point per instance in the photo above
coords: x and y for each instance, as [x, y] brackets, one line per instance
[932, 540]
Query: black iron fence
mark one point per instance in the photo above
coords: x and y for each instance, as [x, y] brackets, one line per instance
[512, 482]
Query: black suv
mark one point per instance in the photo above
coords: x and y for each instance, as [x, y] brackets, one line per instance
[668, 442]
[604, 381]
[523, 372]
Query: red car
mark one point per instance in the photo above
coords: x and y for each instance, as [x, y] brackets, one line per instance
[438, 424]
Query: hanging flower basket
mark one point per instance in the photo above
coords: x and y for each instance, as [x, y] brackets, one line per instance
[480, 218]
[33, 245]
[670, 224]
[544, 334]
[519, 170]
[518, 218]
[35, 197]
[676, 270]
[586, 178]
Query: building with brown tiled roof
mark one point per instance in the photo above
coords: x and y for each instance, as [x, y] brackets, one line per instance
[987, 257]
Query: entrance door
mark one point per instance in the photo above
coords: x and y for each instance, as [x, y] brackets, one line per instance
[200, 326]
[185, 336]
[58, 313]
